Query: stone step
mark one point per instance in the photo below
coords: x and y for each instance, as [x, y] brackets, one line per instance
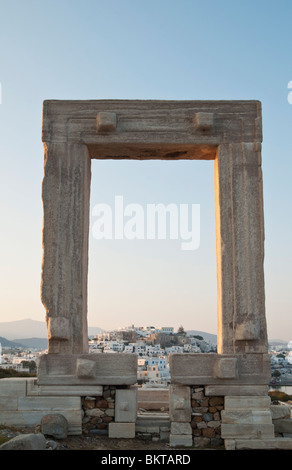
[153, 405]
[152, 420]
[236, 403]
[153, 416]
[153, 423]
[33, 389]
[283, 425]
[236, 390]
[278, 443]
[31, 418]
[247, 431]
[121, 430]
[246, 417]
[153, 399]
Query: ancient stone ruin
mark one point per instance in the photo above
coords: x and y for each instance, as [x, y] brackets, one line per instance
[70, 380]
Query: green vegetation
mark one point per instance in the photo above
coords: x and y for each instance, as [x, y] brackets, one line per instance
[276, 395]
[4, 439]
[31, 365]
[276, 373]
[181, 331]
[8, 373]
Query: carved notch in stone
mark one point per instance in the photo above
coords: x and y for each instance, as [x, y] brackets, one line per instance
[58, 328]
[179, 404]
[106, 122]
[226, 368]
[204, 121]
[247, 331]
[85, 368]
[124, 406]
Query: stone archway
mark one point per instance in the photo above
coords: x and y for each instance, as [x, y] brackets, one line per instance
[229, 132]
[237, 377]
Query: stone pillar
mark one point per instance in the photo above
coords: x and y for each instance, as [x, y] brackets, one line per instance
[125, 414]
[180, 414]
[65, 195]
[240, 249]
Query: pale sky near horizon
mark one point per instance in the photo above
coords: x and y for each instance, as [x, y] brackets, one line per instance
[127, 49]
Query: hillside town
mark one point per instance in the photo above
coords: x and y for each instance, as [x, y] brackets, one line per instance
[152, 345]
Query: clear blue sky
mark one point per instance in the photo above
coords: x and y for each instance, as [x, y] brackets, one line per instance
[130, 49]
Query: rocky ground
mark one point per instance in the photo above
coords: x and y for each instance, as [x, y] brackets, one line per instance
[104, 443]
[87, 442]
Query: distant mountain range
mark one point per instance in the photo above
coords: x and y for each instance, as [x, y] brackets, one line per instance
[31, 329]
[10, 344]
[25, 343]
[33, 334]
[27, 328]
[207, 336]
[29, 333]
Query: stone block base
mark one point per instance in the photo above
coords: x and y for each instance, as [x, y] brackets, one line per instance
[34, 389]
[259, 444]
[184, 440]
[126, 406]
[180, 434]
[87, 369]
[180, 428]
[283, 426]
[121, 430]
[220, 369]
[246, 418]
[247, 431]
[19, 409]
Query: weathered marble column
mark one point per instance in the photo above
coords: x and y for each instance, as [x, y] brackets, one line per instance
[240, 249]
[65, 195]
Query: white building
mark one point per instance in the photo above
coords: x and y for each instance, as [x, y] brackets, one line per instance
[141, 362]
[174, 349]
[115, 346]
[166, 329]
[17, 367]
[153, 374]
[156, 376]
[140, 348]
[95, 350]
[154, 349]
[105, 336]
[23, 357]
[159, 362]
